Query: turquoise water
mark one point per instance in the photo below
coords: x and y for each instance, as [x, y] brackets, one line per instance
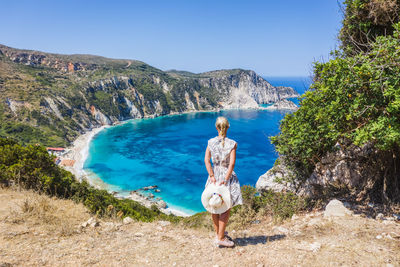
[169, 151]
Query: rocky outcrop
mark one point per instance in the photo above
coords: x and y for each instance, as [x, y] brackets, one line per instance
[352, 171]
[283, 105]
[356, 171]
[275, 179]
[336, 208]
[99, 116]
[286, 92]
[53, 107]
[133, 111]
[37, 58]
[13, 105]
[245, 89]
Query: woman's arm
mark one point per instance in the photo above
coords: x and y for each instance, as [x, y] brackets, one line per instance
[232, 160]
[207, 159]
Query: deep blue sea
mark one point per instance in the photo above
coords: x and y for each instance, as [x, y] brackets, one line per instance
[169, 151]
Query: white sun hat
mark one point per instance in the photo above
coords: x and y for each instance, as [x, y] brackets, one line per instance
[216, 198]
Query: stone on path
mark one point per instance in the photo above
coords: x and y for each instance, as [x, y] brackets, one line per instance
[92, 222]
[314, 247]
[164, 223]
[127, 220]
[281, 229]
[109, 226]
[335, 208]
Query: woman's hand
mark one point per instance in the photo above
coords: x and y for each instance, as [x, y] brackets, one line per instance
[232, 160]
[212, 179]
[224, 182]
[207, 158]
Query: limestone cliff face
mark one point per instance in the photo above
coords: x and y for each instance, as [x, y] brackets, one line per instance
[246, 89]
[37, 58]
[239, 91]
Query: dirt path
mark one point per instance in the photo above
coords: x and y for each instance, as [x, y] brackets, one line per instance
[41, 231]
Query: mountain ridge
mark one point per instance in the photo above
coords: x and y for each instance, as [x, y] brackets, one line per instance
[51, 98]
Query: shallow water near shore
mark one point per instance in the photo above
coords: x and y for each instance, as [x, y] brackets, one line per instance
[169, 151]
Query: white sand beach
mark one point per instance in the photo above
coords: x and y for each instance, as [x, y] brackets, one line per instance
[79, 151]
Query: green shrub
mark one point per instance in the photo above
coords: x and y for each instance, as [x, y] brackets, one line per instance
[198, 220]
[280, 206]
[356, 99]
[364, 20]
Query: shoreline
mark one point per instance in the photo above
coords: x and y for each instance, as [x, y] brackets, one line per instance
[79, 151]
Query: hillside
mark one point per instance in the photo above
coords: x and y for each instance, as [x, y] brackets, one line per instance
[37, 230]
[51, 98]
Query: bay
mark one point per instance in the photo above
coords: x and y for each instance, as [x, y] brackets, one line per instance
[169, 152]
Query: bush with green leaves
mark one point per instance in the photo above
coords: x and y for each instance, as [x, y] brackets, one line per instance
[364, 20]
[356, 99]
[278, 205]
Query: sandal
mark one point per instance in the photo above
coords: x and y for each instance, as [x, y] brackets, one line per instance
[226, 235]
[225, 243]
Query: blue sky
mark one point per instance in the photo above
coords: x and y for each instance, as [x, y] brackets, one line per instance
[272, 37]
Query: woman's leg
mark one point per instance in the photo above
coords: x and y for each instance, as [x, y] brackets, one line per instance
[215, 218]
[223, 220]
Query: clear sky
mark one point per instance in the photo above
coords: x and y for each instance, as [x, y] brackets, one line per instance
[272, 37]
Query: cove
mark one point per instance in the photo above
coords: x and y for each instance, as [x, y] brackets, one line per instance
[169, 151]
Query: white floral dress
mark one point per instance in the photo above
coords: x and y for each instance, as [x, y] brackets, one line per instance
[220, 157]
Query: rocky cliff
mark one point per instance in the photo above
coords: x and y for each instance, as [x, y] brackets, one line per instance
[56, 97]
[283, 104]
[350, 171]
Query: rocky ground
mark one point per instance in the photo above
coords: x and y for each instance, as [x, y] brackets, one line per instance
[36, 230]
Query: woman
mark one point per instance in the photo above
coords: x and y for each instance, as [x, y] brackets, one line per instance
[222, 151]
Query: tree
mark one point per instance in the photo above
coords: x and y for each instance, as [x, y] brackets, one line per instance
[354, 98]
[364, 20]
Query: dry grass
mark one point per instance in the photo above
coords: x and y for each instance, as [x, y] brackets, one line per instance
[41, 231]
[51, 215]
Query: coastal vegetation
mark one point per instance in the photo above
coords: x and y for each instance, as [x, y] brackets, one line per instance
[364, 21]
[278, 206]
[354, 99]
[256, 206]
[32, 167]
